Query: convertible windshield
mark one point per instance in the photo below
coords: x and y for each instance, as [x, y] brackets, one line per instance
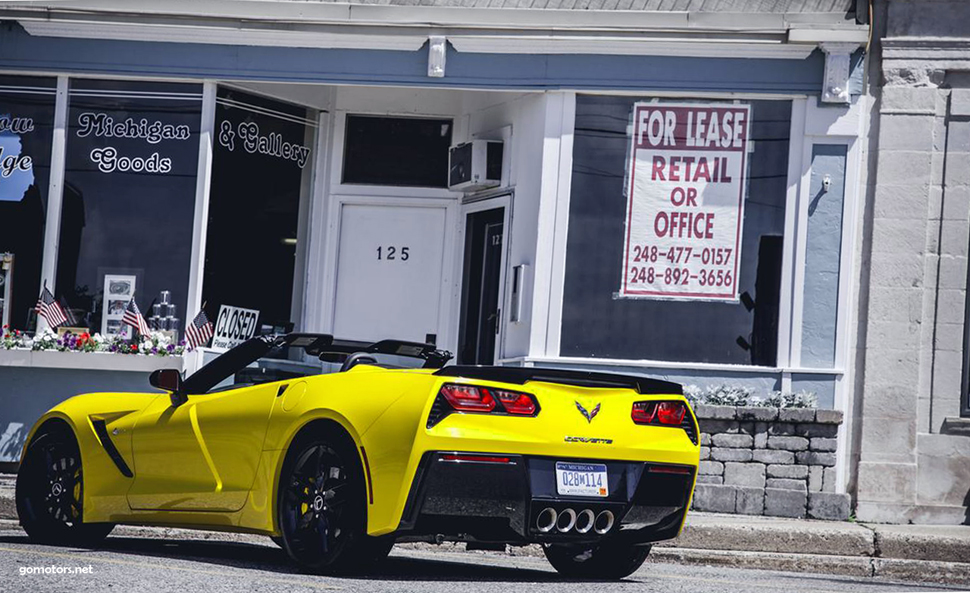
[265, 359]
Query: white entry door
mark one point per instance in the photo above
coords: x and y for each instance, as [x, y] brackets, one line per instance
[389, 277]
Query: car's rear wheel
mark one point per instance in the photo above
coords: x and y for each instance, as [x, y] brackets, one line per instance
[322, 508]
[603, 562]
[50, 491]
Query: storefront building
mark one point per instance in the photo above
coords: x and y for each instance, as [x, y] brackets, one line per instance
[293, 159]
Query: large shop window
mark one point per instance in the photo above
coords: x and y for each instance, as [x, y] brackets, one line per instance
[676, 224]
[263, 157]
[26, 131]
[129, 198]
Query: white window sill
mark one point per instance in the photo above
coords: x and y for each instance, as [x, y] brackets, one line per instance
[94, 361]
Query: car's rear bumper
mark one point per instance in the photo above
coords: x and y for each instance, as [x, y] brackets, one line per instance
[499, 500]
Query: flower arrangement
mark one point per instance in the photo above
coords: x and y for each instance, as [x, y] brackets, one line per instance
[154, 344]
[737, 396]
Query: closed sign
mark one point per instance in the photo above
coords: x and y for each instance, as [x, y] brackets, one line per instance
[234, 326]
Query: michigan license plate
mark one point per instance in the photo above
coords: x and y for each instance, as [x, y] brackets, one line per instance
[582, 479]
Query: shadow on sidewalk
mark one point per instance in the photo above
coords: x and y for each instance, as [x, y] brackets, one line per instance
[270, 558]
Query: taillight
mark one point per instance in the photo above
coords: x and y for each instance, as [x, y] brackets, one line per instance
[520, 404]
[485, 400]
[665, 413]
[671, 413]
[468, 398]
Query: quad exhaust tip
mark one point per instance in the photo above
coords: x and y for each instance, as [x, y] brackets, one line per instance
[604, 522]
[566, 521]
[585, 521]
[546, 520]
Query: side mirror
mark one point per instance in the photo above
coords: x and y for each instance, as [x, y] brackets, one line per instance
[169, 380]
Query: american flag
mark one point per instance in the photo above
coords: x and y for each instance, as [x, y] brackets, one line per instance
[71, 319]
[50, 309]
[198, 332]
[134, 318]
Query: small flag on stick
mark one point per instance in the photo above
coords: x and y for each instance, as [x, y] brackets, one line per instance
[134, 318]
[71, 318]
[199, 330]
[49, 309]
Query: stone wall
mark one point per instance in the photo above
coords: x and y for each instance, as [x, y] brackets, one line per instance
[914, 282]
[769, 461]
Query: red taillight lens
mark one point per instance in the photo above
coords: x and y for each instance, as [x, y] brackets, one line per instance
[473, 398]
[468, 398]
[666, 413]
[671, 413]
[644, 412]
[520, 404]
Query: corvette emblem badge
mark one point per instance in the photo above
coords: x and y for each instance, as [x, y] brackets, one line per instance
[587, 414]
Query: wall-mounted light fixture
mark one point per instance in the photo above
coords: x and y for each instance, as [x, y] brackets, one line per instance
[437, 45]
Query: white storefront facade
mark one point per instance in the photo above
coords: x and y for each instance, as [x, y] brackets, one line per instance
[307, 179]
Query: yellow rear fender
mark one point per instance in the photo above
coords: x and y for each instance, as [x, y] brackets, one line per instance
[259, 513]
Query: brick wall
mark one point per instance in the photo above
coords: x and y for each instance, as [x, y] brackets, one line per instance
[769, 461]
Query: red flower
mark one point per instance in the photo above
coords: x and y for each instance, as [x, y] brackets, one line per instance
[134, 347]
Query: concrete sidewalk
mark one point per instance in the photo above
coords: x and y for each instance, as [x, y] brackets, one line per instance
[931, 553]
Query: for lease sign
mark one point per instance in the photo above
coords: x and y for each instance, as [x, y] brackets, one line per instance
[685, 201]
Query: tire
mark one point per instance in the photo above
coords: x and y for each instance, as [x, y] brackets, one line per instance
[50, 491]
[604, 562]
[322, 510]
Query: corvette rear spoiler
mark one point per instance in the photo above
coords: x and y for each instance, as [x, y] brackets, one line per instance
[334, 350]
[523, 375]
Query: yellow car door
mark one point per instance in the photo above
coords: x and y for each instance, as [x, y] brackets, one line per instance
[201, 455]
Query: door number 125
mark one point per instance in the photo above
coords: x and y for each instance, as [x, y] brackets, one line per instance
[392, 252]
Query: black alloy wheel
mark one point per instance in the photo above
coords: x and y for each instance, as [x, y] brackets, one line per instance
[605, 562]
[50, 492]
[322, 512]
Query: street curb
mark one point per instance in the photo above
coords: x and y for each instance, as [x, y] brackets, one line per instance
[949, 573]
[758, 534]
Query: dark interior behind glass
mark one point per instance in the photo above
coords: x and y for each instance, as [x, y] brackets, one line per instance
[254, 203]
[397, 151]
[118, 221]
[595, 324]
[23, 189]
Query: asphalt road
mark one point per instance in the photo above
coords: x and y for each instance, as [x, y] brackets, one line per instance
[157, 564]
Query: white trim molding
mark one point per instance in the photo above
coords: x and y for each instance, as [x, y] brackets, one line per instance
[55, 193]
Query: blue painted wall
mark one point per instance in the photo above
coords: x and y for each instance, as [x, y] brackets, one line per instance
[823, 252]
[27, 393]
[20, 51]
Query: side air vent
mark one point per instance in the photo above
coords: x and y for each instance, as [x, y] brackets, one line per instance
[101, 430]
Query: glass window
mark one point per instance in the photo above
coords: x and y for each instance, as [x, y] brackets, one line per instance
[262, 161]
[596, 323]
[398, 151]
[26, 131]
[129, 197]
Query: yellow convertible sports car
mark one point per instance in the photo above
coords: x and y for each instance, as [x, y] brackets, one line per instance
[395, 446]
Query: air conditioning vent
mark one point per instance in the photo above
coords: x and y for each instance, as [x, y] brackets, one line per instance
[475, 165]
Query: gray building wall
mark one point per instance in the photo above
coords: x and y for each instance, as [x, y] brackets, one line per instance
[914, 272]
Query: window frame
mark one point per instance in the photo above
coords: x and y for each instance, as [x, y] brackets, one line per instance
[339, 143]
[810, 125]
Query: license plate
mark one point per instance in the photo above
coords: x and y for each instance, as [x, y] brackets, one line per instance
[582, 479]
